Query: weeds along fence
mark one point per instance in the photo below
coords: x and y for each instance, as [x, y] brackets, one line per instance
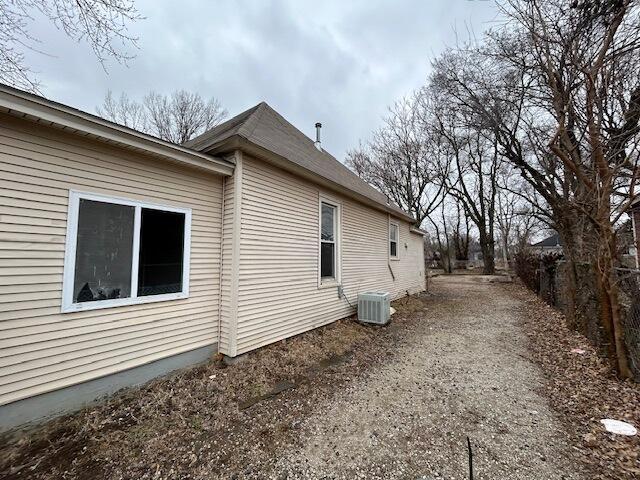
[548, 276]
[630, 298]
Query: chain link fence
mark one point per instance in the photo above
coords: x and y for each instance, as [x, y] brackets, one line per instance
[553, 286]
[630, 298]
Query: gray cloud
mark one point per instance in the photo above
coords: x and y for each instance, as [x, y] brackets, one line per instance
[341, 63]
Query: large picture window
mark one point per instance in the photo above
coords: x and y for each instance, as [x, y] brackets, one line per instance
[329, 254]
[122, 252]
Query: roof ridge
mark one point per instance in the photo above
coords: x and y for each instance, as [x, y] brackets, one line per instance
[286, 123]
[255, 117]
[291, 128]
[229, 127]
[264, 127]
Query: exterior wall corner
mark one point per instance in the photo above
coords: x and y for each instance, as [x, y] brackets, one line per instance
[230, 271]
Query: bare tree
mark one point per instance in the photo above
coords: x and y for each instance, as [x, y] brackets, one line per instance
[441, 226]
[559, 87]
[472, 180]
[124, 111]
[584, 58]
[506, 206]
[175, 118]
[103, 24]
[514, 214]
[524, 229]
[495, 87]
[403, 160]
[461, 234]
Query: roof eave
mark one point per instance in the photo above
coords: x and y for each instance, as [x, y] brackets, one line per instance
[22, 104]
[238, 142]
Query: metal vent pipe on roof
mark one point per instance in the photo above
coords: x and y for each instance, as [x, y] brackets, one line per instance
[317, 142]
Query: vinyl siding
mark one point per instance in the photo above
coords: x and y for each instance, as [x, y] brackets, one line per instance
[226, 313]
[42, 349]
[278, 294]
[230, 259]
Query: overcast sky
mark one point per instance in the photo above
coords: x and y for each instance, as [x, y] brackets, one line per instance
[338, 62]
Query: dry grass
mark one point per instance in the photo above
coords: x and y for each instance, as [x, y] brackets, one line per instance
[190, 423]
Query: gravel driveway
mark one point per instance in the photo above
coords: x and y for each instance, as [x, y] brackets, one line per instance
[343, 401]
[462, 373]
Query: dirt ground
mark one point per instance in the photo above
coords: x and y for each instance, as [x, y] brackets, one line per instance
[344, 401]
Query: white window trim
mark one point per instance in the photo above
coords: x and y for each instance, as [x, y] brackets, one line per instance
[397, 255]
[337, 279]
[70, 254]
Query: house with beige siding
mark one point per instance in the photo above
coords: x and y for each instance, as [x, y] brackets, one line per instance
[124, 257]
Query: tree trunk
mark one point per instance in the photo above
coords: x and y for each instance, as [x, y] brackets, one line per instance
[449, 265]
[488, 253]
[611, 312]
[572, 254]
[505, 252]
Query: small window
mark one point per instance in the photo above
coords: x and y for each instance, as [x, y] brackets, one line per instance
[393, 240]
[122, 252]
[328, 241]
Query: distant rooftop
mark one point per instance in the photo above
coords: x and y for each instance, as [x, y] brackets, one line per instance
[552, 241]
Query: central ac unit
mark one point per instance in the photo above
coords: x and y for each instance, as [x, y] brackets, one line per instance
[374, 307]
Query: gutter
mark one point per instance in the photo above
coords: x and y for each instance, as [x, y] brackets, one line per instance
[26, 105]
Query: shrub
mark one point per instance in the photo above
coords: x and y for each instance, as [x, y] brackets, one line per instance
[526, 267]
[531, 267]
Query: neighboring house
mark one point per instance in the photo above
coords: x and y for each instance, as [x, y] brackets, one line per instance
[551, 244]
[625, 240]
[125, 257]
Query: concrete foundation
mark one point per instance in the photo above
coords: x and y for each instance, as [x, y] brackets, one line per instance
[31, 411]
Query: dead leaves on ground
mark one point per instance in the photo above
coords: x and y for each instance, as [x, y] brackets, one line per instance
[583, 390]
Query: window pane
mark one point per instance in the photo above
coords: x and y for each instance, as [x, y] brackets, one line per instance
[394, 249]
[327, 262]
[327, 222]
[103, 251]
[393, 232]
[161, 252]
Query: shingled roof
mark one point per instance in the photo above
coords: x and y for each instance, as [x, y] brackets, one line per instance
[264, 127]
[552, 241]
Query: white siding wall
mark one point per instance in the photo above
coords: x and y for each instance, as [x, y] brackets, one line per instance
[42, 349]
[278, 294]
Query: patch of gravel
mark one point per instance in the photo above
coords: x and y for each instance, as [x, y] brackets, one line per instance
[359, 402]
[460, 372]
